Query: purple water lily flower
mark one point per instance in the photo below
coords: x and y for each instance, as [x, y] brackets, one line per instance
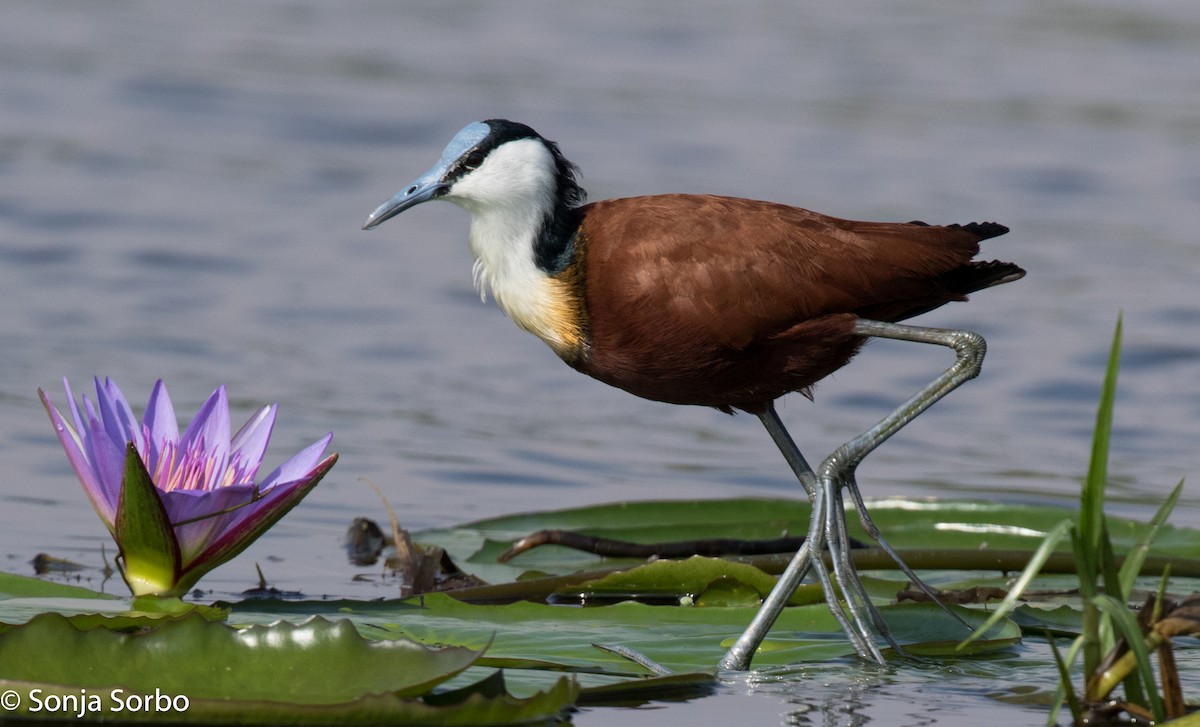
[211, 507]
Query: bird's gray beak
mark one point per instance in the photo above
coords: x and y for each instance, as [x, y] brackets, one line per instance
[422, 190]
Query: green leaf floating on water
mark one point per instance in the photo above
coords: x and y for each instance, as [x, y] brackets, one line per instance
[540, 636]
[315, 671]
[534, 643]
[467, 707]
[15, 586]
[203, 659]
[907, 523]
[23, 598]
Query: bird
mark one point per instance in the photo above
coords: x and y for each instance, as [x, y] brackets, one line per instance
[715, 301]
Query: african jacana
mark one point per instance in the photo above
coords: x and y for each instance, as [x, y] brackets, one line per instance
[715, 301]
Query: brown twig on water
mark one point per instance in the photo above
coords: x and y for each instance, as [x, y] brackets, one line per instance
[612, 548]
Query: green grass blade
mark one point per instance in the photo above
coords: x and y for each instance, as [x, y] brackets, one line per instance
[1108, 629]
[1112, 585]
[1091, 515]
[1124, 621]
[1049, 543]
[1064, 682]
[1088, 545]
[1137, 554]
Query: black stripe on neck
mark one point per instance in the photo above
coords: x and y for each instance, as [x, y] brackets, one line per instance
[555, 244]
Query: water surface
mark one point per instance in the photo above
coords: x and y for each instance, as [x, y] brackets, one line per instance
[182, 186]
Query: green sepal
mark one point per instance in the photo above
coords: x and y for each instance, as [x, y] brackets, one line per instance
[149, 550]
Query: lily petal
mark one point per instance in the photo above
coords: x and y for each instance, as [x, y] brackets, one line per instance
[211, 508]
[108, 466]
[300, 464]
[209, 432]
[77, 455]
[79, 428]
[237, 500]
[211, 511]
[119, 422]
[249, 445]
[159, 424]
[246, 524]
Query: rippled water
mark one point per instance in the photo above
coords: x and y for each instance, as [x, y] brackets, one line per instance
[182, 185]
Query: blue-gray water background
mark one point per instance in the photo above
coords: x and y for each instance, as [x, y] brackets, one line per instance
[182, 186]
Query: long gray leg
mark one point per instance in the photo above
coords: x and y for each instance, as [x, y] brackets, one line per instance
[837, 471]
[740, 654]
[873, 533]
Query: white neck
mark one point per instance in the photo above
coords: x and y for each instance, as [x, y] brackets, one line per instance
[502, 244]
[510, 197]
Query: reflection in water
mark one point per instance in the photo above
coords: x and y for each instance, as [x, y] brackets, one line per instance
[913, 692]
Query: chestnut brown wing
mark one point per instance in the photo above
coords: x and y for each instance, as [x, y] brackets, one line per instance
[737, 270]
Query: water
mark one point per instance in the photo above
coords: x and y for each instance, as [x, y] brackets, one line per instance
[182, 185]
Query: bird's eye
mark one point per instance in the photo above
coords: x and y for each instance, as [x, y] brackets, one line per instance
[473, 160]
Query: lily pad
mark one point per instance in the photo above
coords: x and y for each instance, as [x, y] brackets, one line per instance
[202, 659]
[17, 586]
[681, 639]
[708, 603]
[467, 707]
[926, 524]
